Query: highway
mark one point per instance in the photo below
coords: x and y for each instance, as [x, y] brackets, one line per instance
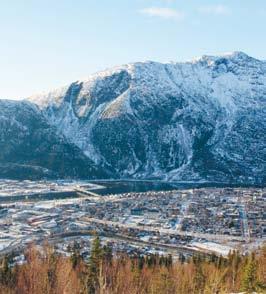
[19, 246]
[209, 237]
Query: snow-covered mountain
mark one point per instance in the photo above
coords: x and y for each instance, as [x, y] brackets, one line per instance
[31, 148]
[198, 120]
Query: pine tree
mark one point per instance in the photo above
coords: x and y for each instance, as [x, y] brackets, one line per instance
[141, 262]
[249, 281]
[76, 255]
[107, 254]
[5, 272]
[182, 258]
[94, 265]
[169, 261]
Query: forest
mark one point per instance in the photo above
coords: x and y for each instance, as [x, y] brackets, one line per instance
[47, 272]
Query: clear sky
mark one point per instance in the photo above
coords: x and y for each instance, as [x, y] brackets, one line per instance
[46, 44]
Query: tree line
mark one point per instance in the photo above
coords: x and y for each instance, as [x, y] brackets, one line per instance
[47, 272]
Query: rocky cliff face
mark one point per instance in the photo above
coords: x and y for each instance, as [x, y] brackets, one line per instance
[200, 120]
[31, 148]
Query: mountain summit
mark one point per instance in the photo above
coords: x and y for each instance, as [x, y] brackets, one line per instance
[190, 121]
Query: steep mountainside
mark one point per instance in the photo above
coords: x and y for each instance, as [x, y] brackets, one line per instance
[30, 147]
[199, 120]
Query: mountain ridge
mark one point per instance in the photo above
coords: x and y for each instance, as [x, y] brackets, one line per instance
[198, 120]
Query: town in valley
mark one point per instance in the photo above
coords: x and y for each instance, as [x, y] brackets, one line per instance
[179, 222]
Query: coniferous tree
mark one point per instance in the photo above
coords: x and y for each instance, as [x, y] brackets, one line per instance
[141, 262]
[5, 272]
[75, 255]
[169, 261]
[107, 254]
[182, 258]
[94, 265]
[249, 281]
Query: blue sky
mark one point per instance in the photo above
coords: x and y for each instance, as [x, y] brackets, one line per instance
[47, 44]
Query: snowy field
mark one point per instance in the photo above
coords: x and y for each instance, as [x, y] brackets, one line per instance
[213, 247]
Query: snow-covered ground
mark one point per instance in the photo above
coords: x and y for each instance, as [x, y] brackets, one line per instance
[213, 247]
